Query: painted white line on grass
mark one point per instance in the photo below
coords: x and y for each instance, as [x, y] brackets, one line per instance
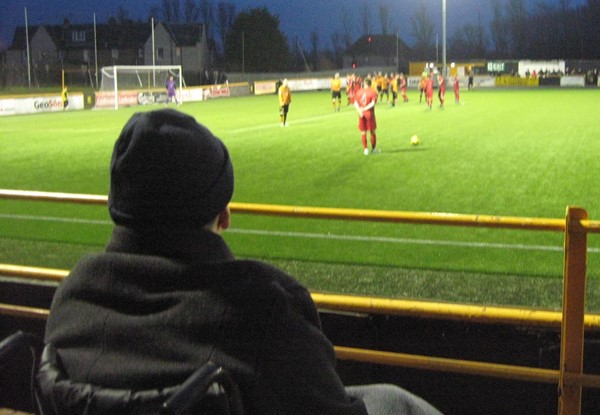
[405, 241]
[310, 235]
[273, 125]
[55, 219]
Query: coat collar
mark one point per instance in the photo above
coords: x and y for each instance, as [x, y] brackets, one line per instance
[198, 245]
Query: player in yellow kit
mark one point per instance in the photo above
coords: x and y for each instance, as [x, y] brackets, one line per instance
[336, 92]
[285, 99]
[385, 88]
[394, 87]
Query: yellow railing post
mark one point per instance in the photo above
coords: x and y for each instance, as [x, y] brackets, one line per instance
[572, 329]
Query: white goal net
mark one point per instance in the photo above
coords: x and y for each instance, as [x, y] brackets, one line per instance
[135, 85]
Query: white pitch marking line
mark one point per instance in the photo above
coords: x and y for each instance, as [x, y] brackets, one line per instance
[273, 125]
[307, 235]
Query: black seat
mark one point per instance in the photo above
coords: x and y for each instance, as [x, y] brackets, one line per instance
[188, 396]
[209, 390]
[19, 358]
[17, 341]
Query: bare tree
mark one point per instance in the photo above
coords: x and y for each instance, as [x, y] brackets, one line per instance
[123, 15]
[207, 15]
[366, 17]
[347, 29]
[170, 10]
[190, 11]
[498, 31]
[568, 26]
[314, 50]
[481, 40]
[384, 17]
[517, 24]
[565, 5]
[469, 41]
[338, 48]
[225, 19]
[423, 31]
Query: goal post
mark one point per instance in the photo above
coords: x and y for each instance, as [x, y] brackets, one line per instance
[142, 80]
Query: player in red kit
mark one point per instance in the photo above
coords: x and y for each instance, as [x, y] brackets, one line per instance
[356, 86]
[456, 89]
[403, 85]
[429, 89]
[422, 82]
[441, 89]
[349, 88]
[364, 102]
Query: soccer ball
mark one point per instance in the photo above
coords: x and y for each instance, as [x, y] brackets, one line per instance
[414, 140]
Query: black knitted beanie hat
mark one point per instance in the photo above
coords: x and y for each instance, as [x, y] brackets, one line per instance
[168, 170]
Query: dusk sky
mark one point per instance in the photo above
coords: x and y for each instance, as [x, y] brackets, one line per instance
[297, 18]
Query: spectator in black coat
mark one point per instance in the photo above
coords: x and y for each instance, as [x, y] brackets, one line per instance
[167, 294]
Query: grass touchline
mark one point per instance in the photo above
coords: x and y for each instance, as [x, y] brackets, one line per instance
[313, 235]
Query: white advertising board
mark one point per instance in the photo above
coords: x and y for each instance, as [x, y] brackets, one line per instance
[38, 104]
[572, 80]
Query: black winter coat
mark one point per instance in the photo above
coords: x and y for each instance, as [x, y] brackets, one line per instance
[145, 315]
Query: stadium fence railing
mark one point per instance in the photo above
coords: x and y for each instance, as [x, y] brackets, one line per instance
[573, 320]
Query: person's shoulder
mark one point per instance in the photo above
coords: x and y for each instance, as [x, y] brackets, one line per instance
[259, 271]
[89, 261]
[258, 275]
[261, 285]
[89, 273]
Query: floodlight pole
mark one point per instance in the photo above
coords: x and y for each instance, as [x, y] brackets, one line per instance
[397, 52]
[243, 55]
[153, 56]
[27, 43]
[444, 38]
[96, 52]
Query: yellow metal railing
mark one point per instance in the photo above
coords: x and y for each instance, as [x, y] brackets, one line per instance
[384, 306]
[573, 320]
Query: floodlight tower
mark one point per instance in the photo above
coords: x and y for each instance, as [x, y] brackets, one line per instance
[444, 38]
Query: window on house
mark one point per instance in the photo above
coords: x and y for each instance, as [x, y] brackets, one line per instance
[160, 53]
[114, 53]
[78, 36]
[177, 52]
[86, 56]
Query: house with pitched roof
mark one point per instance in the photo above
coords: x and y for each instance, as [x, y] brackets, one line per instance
[374, 51]
[181, 44]
[79, 46]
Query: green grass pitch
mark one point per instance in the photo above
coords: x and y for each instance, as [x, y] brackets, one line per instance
[499, 152]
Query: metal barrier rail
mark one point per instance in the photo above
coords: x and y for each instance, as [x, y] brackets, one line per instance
[384, 306]
[575, 228]
[466, 367]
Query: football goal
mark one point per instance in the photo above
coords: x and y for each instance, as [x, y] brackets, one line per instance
[144, 84]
